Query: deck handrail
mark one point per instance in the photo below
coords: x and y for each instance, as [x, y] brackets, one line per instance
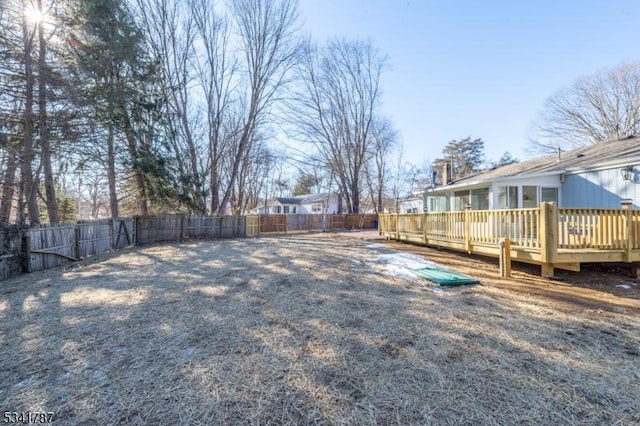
[547, 235]
[475, 226]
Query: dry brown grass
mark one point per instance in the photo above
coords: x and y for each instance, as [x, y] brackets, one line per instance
[293, 331]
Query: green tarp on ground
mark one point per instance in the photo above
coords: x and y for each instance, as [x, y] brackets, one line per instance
[444, 276]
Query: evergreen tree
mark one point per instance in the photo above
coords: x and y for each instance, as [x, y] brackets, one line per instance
[464, 155]
[107, 47]
[507, 158]
[306, 183]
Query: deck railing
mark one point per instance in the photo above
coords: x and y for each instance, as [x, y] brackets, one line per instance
[546, 235]
[479, 226]
[598, 228]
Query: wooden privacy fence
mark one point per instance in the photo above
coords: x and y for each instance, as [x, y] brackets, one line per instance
[549, 236]
[280, 223]
[12, 245]
[49, 247]
[37, 249]
[152, 229]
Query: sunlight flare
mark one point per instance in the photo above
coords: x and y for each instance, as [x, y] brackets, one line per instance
[34, 14]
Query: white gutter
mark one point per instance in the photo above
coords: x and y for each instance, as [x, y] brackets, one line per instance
[490, 181]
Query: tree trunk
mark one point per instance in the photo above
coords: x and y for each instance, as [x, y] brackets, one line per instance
[111, 173]
[247, 134]
[8, 183]
[355, 194]
[28, 180]
[135, 157]
[50, 190]
[215, 174]
[380, 164]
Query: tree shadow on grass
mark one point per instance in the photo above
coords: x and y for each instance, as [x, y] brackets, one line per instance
[289, 331]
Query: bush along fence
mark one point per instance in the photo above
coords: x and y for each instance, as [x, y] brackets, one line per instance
[26, 250]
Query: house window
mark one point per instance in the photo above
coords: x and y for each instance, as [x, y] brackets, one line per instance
[293, 209]
[508, 197]
[480, 199]
[277, 209]
[316, 207]
[438, 204]
[530, 197]
[286, 209]
[549, 194]
[460, 200]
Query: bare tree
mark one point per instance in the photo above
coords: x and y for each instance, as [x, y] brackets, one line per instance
[594, 109]
[267, 31]
[384, 138]
[337, 106]
[171, 35]
[216, 69]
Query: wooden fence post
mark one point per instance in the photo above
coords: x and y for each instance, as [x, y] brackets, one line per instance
[26, 251]
[181, 227]
[397, 225]
[548, 237]
[113, 243]
[626, 207]
[76, 242]
[136, 230]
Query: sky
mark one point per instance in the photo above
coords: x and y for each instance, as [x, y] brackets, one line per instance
[479, 68]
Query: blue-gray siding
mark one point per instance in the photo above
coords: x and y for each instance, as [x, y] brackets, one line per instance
[599, 189]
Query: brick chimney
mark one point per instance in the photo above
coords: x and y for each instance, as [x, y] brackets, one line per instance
[446, 172]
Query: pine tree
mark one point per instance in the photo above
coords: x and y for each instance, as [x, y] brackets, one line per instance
[465, 156]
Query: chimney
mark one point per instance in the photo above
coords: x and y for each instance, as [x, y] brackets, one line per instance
[446, 173]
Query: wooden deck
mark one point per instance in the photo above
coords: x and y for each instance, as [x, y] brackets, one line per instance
[548, 236]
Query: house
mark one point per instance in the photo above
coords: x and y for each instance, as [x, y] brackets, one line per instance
[413, 203]
[595, 176]
[304, 204]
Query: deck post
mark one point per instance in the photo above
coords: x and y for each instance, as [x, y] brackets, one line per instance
[626, 207]
[505, 257]
[424, 226]
[467, 227]
[548, 237]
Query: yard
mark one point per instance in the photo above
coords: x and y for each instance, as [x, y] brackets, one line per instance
[315, 329]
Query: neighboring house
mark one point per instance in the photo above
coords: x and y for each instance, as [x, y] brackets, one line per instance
[413, 203]
[304, 204]
[86, 210]
[595, 176]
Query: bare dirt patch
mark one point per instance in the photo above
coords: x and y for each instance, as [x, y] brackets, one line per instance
[302, 330]
[597, 286]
